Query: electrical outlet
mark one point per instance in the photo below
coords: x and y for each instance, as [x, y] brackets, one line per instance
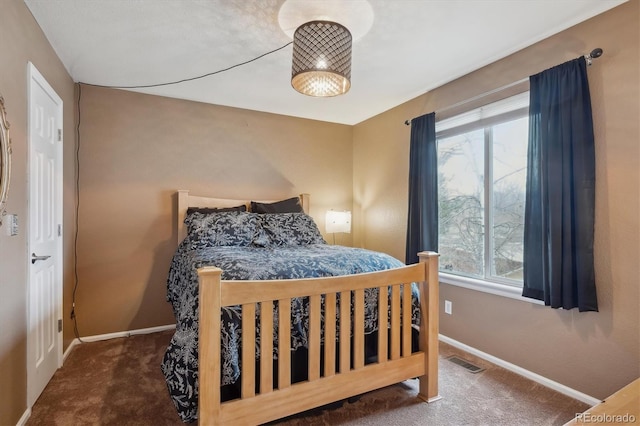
[448, 306]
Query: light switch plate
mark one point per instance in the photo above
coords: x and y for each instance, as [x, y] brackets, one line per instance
[12, 221]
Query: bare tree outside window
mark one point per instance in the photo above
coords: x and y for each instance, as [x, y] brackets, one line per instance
[464, 162]
[509, 186]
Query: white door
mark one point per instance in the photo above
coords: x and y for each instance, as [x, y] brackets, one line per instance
[44, 341]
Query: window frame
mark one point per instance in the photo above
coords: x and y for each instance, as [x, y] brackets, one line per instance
[485, 117]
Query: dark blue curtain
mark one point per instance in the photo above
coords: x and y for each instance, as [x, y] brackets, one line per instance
[422, 226]
[559, 209]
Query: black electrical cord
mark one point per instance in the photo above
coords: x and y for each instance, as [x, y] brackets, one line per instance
[74, 317]
[75, 242]
[192, 78]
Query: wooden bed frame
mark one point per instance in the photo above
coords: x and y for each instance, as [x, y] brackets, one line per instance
[352, 377]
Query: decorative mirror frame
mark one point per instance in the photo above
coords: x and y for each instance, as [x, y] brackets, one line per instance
[5, 159]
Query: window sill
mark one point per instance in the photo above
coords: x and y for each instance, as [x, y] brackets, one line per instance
[487, 287]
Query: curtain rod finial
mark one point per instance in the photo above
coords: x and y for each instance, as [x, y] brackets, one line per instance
[596, 53]
[407, 122]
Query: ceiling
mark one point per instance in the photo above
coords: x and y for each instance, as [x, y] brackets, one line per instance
[412, 46]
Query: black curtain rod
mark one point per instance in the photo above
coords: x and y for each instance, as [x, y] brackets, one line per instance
[594, 54]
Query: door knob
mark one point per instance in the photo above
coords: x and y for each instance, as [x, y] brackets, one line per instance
[35, 258]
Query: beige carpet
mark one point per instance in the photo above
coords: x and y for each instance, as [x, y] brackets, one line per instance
[119, 382]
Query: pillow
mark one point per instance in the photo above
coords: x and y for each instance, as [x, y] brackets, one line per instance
[290, 205]
[289, 229]
[233, 228]
[205, 210]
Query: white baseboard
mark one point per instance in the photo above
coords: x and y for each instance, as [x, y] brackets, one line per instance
[558, 387]
[73, 343]
[128, 333]
[24, 418]
[108, 336]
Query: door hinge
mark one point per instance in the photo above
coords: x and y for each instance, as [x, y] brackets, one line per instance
[59, 230]
[59, 325]
[59, 135]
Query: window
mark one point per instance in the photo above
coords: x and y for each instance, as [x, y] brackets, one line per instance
[482, 167]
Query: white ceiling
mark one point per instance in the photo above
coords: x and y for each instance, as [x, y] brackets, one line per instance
[413, 46]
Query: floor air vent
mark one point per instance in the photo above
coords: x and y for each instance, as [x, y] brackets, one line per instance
[466, 364]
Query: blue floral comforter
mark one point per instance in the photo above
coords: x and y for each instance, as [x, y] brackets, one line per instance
[180, 363]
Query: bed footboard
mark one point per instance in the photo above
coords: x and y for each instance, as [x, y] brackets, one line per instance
[341, 378]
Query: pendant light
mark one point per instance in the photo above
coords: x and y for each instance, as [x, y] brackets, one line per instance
[321, 63]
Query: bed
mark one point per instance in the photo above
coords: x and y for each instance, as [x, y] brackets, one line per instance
[276, 268]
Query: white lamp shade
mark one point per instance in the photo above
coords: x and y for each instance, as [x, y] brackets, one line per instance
[338, 222]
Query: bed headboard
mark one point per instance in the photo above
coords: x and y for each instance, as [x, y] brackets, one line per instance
[186, 200]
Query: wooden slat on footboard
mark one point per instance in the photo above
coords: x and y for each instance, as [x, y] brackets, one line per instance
[330, 334]
[314, 337]
[328, 384]
[284, 343]
[266, 347]
[248, 351]
[345, 327]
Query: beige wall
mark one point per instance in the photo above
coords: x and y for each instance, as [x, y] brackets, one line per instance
[136, 150]
[595, 353]
[21, 41]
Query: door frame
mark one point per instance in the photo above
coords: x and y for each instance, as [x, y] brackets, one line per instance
[34, 77]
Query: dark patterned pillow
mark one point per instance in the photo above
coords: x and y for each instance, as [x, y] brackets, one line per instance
[290, 205]
[242, 208]
[287, 229]
[221, 229]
